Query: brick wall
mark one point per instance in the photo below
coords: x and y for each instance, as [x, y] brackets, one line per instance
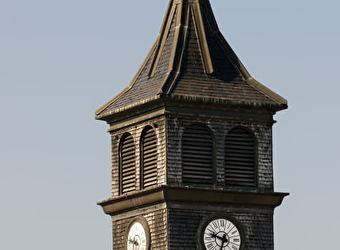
[220, 128]
[136, 130]
[169, 133]
[176, 227]
[156, 219]
[256, 226]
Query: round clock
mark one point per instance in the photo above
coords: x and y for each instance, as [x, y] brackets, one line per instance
[138, 236]
[220, 234]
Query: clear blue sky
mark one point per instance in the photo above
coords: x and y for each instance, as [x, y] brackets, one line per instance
[61, 60]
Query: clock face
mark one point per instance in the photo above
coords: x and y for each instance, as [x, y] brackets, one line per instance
[221, 234]
[137, 238]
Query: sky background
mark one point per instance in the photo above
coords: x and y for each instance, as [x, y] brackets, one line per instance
[61, 60]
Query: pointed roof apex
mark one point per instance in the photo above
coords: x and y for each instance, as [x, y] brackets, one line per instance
[191, 60]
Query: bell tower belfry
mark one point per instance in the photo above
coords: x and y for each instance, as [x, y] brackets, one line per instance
[192, 144]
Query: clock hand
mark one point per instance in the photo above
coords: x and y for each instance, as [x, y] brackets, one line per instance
[224, 240]
[215, 235]
[135, 242]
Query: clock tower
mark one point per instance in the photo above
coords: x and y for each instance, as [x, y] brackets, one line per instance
[191, 140]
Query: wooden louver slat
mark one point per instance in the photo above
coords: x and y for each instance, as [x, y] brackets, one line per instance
[240, 167]
[149, 158]
[197, 155]
[127, 164]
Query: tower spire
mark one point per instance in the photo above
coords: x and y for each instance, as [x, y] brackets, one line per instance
[187, 9]
[192, 60]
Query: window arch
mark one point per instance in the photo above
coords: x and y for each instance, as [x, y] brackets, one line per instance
[240, 158]
[127, 164]
[197, 155]
[148, 157]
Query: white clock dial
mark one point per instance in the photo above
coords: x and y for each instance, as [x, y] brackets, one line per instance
[137, 239]
[221, 234]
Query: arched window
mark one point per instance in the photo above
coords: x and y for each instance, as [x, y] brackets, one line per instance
[149, 158]
[127, 173]
[197, 155]
[240, 158]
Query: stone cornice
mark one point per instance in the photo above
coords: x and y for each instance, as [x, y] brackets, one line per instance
[167, 194]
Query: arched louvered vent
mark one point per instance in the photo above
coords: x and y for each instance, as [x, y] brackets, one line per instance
[240, 167]
[197, 155]
[127, 164]
[149, 157]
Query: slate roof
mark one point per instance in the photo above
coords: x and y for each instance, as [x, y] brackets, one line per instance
[191, 60]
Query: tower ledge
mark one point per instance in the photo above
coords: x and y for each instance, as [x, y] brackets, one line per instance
[169, 194]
